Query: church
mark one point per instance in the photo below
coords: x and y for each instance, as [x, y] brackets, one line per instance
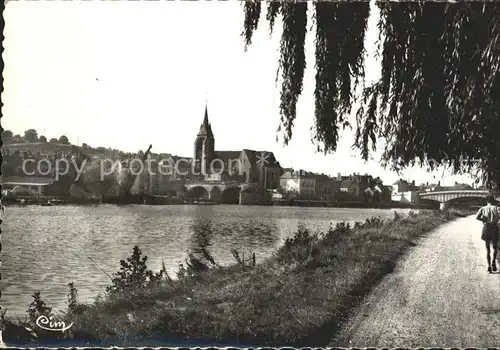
[244, 166]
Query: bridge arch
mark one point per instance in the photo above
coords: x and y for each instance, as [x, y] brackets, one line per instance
[198, 192]
[231, 195]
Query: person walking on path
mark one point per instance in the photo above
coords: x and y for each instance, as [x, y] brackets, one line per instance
[490, 216]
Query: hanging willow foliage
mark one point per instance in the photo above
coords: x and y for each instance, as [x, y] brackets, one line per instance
[438, 97]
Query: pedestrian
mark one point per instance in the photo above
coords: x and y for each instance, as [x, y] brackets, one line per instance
[489, 215]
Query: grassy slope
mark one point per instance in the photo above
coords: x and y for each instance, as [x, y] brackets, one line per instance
[298, 297]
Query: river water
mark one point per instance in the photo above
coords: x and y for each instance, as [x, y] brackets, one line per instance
[45, 248]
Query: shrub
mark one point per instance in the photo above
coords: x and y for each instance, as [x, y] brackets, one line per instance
[38, 307]
[72, 297]
[134, 274]
[299, 248]
[336, 233]
[397, 216]
[240, 259]
[195, 266]
[28, 331]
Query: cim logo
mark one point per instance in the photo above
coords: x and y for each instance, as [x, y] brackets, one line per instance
[48, 324]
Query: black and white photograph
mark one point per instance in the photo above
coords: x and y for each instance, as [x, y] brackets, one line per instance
[250, 174]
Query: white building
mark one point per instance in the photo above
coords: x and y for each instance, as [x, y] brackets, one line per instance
[300, 183]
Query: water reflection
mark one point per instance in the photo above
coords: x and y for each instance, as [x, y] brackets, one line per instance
[219, 238]
[202, 234]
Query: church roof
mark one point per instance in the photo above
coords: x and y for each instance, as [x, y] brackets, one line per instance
[255, 156]
[225, 156]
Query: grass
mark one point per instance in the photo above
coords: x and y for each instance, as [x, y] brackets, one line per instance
[300, 296]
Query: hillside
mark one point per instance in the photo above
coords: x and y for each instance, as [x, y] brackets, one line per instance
[42, 147]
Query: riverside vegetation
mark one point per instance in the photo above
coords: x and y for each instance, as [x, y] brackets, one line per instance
[299, 296]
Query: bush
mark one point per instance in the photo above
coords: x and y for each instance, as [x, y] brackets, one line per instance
[72, 297]
[28, 331]
[135, 275]
[240, 259]
[335, 234]
[38, 308]
[195, 266]
[299, 248]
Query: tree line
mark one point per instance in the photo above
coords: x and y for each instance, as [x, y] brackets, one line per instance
[31, 136]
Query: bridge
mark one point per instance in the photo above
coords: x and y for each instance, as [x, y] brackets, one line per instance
[226, 192]
[445, 197]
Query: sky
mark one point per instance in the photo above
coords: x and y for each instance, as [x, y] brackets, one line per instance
[128, 74]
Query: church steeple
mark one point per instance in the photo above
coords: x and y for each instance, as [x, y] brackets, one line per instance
[204, 151]
[205, 119]
[206, 128]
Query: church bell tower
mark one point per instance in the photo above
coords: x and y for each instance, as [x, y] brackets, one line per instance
[204, 146]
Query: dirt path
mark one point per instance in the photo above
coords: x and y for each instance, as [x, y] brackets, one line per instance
[440, 295]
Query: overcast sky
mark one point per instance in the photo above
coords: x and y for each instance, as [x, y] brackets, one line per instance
[129, 74]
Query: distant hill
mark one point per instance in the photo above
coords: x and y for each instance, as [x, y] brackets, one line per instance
[52, 148]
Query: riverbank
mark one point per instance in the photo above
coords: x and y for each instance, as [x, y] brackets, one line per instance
[298, 297]
[355, 204]
[166, 200]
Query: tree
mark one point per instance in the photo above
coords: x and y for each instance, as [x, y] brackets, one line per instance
[30, 135]
[53, 140]
[7, 136]
[18, 139]
[84, 145]
[42, 138]
[437, 101]
[63, 140]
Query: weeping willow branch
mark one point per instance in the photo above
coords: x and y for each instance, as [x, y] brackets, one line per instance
[252, 14]
[273, 10]
[292, 62]
[439, 93]
[340, 34]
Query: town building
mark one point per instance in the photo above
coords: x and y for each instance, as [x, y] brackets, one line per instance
[403, 191]
[357, 187]
[432, 187]
[461, 186]
[300, 184]
[386, 193]
[324, 189]
[245, 166]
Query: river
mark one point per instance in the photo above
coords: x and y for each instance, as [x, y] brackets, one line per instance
[45, 248]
